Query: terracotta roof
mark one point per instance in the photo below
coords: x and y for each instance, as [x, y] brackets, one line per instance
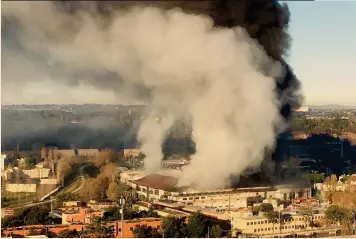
[157, 181]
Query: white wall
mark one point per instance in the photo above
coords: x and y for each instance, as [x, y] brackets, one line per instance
[16, 188]
[48, 181]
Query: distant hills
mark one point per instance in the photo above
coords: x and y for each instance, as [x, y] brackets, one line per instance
[331, 107]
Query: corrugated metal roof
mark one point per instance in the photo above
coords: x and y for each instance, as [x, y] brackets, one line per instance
[157, 181]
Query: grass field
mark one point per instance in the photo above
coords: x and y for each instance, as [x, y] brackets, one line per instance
[18, 198]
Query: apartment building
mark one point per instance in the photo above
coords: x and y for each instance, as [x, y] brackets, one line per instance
[129, 225]
[291, 222]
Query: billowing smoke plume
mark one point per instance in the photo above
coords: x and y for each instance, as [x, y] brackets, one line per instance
[199, 63]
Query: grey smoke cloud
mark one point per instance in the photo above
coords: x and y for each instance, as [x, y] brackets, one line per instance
[178, 64]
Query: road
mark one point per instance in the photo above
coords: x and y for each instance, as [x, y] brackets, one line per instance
[82, 178]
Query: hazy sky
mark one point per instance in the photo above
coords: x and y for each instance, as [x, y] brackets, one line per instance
[323, 52]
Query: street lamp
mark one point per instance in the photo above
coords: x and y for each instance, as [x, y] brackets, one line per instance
[122, 201]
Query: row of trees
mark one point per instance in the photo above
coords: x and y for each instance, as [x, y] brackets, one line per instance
[29, 216]
[335, 124]
[197, 227]
[345, 217]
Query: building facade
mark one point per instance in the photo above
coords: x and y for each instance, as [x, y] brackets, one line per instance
[129, 225]
[290, 222]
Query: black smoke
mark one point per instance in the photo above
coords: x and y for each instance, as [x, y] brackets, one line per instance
[266, 21]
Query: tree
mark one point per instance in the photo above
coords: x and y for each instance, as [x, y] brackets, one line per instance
[335, 213]
[141, 156]
[216, 231]
[146, 232]
[99, 229]
[330, 183]
[174, 227]
[314, 177]
[272, 217]
[68, 234]
[28, 216]
[30, 162]
[196, 226]
[307, 213]
[266, 207]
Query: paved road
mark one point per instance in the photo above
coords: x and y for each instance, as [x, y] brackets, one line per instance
[82, 178]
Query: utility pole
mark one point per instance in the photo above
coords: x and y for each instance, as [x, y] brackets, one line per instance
[280, 223]
[122, 203]
[229, 204]
[208, 232]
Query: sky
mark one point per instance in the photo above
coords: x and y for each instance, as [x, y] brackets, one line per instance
[323, 52]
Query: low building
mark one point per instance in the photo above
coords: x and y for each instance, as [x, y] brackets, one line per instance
[175, 163]
[72, 203]
[5, 212]
[52, 181]
[37, 172]
[291, 222]
[83, 215]
[131, 153]
[129, 225]
[101, 205]
[24, 231]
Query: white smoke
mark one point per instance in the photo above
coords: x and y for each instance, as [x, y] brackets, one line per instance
[216, 76]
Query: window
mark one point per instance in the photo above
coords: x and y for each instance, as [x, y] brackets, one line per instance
[184, 199]
[191, 198]
[131, 228]
[248, 223]
[119, 229]
[261, 222]
[254, 230]
[266, 221]
[259, 230]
